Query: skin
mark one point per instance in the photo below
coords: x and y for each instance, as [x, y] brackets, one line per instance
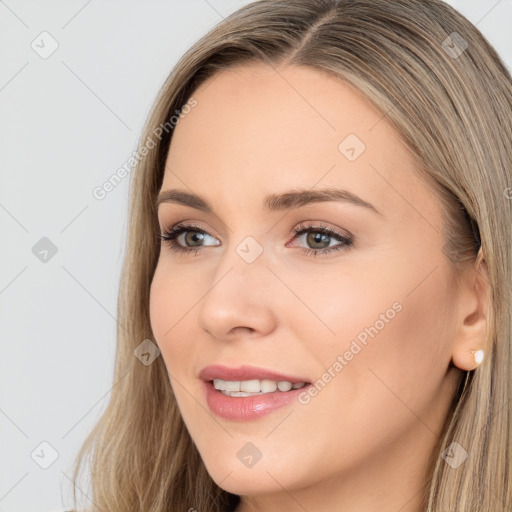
[363, 443]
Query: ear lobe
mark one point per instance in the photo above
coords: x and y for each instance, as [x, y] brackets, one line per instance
[472, 323]
[468, 360]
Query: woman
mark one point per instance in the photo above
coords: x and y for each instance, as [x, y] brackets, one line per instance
[315, 298]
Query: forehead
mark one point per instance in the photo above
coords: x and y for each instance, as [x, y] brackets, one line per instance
[257, 130]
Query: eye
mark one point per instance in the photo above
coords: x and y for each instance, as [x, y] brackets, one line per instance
[194, 236]
[320, 238]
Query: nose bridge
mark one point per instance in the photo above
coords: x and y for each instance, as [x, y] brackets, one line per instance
[244, 259]
[242, 271]
[238, 294]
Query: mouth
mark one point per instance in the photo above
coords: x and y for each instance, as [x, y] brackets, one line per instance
[247, 393]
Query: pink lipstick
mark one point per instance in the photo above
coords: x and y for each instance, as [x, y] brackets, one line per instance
[246, 393]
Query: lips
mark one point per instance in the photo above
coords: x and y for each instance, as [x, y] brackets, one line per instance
[245, 373]
[247, 408]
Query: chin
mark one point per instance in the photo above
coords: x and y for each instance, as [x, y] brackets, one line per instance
[263, 477]
[248, 483]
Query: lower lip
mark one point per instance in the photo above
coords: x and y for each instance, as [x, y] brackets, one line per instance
[248, 408]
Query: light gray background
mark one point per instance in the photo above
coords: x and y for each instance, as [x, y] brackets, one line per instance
[67, 123]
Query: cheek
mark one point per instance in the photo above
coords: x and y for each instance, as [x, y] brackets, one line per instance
[406, 353]
[353, 309]
[381, 371]
[170, 303]
[388, 334]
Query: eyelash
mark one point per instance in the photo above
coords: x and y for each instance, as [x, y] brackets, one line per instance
[169, 238]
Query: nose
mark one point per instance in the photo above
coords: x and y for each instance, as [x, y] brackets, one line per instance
[240, 300]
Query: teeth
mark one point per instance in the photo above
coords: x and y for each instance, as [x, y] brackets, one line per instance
[268, 386]
[284, 385]
[232, 385]
[254, 387]
[238, 393]
[219, 384]
[250, 386]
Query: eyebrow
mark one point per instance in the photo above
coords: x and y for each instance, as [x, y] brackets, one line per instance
[273, 202]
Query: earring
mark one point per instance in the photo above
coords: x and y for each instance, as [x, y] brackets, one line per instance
[478, 355]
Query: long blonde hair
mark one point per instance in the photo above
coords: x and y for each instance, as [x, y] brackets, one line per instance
[448, 94]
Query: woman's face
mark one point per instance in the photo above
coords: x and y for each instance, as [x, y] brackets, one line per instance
[367, 327]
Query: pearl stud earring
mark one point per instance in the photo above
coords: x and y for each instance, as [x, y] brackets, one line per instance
[479, 356]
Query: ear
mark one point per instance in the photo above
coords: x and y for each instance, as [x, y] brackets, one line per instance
[472, 321]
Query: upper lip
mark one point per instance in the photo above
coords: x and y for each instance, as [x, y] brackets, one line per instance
[244, 372]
